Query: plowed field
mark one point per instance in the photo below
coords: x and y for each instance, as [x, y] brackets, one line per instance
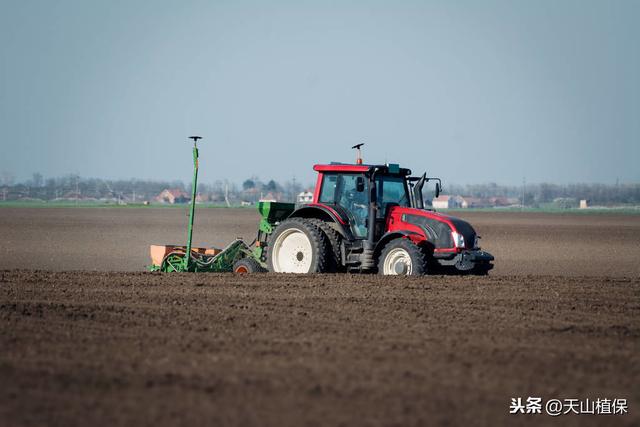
[559, 317]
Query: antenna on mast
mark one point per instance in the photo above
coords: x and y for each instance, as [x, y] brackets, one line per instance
[358, 153]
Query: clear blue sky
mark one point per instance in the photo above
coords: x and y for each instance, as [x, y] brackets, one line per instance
[478, 91]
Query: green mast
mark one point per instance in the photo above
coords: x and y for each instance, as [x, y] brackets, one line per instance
[187, 258]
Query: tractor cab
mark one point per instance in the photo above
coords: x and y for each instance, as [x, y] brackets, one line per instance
[361, 192]
[349, 190]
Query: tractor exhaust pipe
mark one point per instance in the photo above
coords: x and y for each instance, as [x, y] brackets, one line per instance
[369, 245]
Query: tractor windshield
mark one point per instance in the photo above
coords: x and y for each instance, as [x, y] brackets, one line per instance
[391, 191]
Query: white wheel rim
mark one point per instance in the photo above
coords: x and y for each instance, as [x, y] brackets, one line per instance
[396, 261]
[292, 252]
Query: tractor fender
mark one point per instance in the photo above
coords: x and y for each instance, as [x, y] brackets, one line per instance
[418, 239]
[327, 214]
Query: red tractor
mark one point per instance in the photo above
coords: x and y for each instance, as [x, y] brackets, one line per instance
[369, 218]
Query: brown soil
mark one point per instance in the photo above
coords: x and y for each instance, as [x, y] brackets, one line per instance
[556, 319]
[153, 349]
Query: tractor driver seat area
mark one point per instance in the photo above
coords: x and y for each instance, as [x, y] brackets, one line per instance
[357, 207]
[341, 190]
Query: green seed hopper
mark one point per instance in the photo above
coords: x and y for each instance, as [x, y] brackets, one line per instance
[271, 213]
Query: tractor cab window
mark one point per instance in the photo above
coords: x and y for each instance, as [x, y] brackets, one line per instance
[341, 189]
[391, 191]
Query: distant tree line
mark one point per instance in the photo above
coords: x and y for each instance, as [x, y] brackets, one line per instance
[75, 187]
[252, 189]
[538, 194]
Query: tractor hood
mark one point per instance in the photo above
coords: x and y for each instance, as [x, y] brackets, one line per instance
[444, 231]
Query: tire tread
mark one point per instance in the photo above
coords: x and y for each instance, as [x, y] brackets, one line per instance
[252, 265]
[334, 261]
[418, 256]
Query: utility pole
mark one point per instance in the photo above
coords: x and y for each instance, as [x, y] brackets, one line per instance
[293, 190]
[226, 193]
[77, 189]
[524, 185]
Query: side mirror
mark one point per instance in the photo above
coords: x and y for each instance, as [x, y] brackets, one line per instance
[438, 189]
[359, 184]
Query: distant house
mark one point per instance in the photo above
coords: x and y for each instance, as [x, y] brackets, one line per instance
[251, 195]
[472, 202]
[305, 197]
[269, 197]
[498, 201]
[203, 198]
[172, 196]
[585, 203]
[446, 202]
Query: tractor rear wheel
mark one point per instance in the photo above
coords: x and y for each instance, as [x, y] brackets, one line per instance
[402, 257]
[297, 246]
[334, 261]
[247, 265]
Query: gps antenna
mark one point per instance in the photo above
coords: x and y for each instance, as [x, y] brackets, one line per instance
[358, 153]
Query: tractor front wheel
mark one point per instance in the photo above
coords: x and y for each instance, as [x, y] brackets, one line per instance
[402, 257]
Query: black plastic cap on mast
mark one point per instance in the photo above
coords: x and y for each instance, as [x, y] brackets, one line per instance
[195, 138]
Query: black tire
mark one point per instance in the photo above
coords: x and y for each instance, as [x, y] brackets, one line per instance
[248, 265]
[403, 248]
[481, 269]
[317, 261]
[334, 261]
